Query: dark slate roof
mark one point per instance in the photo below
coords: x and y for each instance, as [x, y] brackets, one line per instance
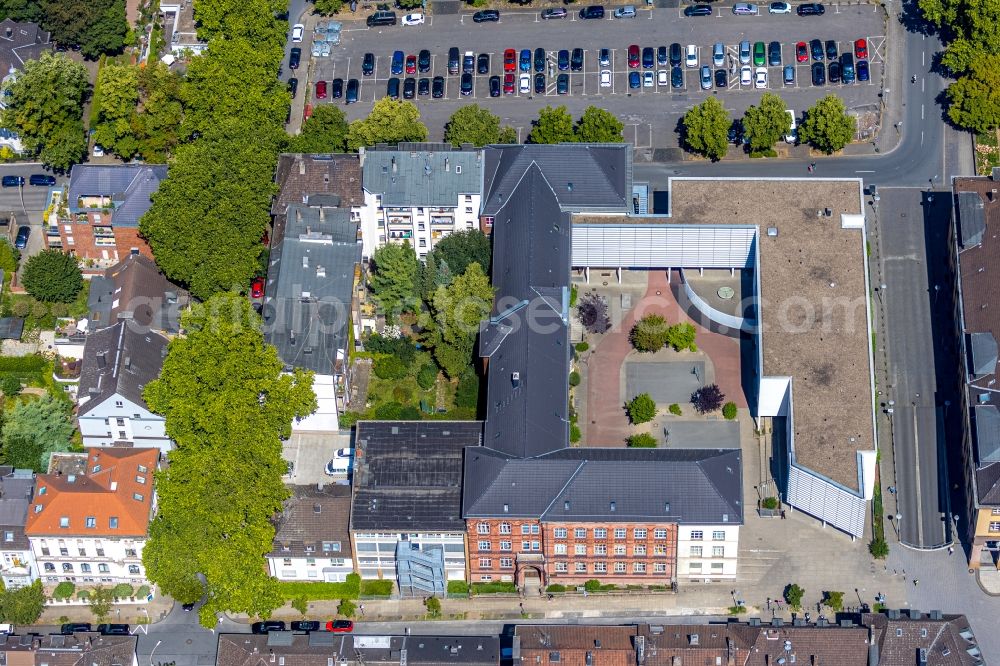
[987, 422]
[89, 648]
[20, 42]
[408, 474]
[314, 518]
[301, 177]
[129, 186]
[119, 360]
[310, 282]
[984, 353]
[422, 174]
[527, 413]
[11, 328]
[135, 290]
[585, 177]
[988, 484]
[947, 640]
[16, 488]
[573, 484]
[972, 222]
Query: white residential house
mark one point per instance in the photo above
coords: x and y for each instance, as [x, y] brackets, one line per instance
[90, 516]
[707, 553]
[419, 193]
[17, 564]
[118, 363]
[311, 539]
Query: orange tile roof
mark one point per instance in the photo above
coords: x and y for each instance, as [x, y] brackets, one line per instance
[109, 489]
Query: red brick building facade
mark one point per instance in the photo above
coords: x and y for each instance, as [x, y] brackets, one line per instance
[570, 553]
[92, 236]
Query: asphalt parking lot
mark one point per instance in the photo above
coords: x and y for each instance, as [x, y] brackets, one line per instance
[650, 112]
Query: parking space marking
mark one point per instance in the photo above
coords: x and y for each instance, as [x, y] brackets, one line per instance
[876, 47]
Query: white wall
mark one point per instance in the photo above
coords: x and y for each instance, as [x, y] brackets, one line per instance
[374, 223]
[122, 566]
[322, 568]
[325, 418]
[375, 554]
[708, 565]
[17, 567]
[773, 398]
[139, 425]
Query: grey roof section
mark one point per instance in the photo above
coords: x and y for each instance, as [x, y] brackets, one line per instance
[119, 360]
[310, 283]
[424, 176]
[526, 338]
[316, 518]
[984, 353]
[16, 489]
[988, 484]
[20, 42]
[987, 419]
[135, 290]
[971, 219]
[687, 486]
[408, 474]
[129, 186]
[586, 177]
[11, 328]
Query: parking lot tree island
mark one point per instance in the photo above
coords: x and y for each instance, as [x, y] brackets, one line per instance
[554, 125]
[827, 125]
[472, 124]
[227, 405]
[641, 409]
[325, 131]
[390, 121]
[597, 125]
[706, 127]
[765, 123]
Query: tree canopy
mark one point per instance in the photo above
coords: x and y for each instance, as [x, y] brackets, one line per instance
[45, 108]
[390, 121]
[327, 7]
[227, 405]
[554, 125]
[34, 429]
[472, 124]
[394, 278]
[97, 26]
[23, 605]
[597, 125]
[827, 125]
[324, 132]
[140, 111]
[974, 99]
[461, 248]
[765, 123]
[706, 129]
[457, 310]
[53, 277]
[641, 409]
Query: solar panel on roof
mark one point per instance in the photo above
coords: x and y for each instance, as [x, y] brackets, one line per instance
[280, 638]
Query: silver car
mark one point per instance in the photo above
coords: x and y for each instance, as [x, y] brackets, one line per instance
[719, 54]
[706, 77]
[744, 53]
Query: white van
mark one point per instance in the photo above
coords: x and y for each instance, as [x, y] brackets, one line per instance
[793, 132]
[340, 463]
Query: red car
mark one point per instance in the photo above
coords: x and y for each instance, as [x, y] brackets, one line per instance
[340, 626]
[861, 49]
[257, 288]
[321, 90]
[411, 64]
[508, 84]
[801, 52]
[633, 56]
[509, 60]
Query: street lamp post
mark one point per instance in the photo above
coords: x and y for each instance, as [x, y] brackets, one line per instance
[899, 526]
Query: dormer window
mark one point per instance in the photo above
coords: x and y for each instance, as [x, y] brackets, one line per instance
[41, 490]
[138, 497]
[38, 508]
[91, 522]
[113, 522]
[64, 522]
[142, 468]
[140, 479]
[97, 468]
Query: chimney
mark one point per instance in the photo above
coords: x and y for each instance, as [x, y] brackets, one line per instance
[298, 215]
[447, 165]
[134, 251]
[128, 362]
[320, 272]
[102, 360]
[302, 165]
[394, 168]
[322, 215]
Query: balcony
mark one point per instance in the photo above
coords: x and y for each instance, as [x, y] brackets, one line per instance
[442, 220]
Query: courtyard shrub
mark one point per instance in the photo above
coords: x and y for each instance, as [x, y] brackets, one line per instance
[433, 606]
[142, 592]
[496, 587]
[467, 393]
[53, 277]
[10, 385]
[582, 346]
[349, 589]
[793, 595]
[642, 440]
[649, 334]
[346, 608]
[707, 398]
[593, 312]
[458, 587]
[878, 548]
[122, 590]
[64, 590]
[376, 588]
[574, 378]
[835, 600]
[675, 409]
[83, 595]
[770, 503]
[681, 336]
[401, 347]
[574, 433]
[427, 376]
[401, 394]
[389, 367]
[556, 587]
[729, 410]
[641, 409]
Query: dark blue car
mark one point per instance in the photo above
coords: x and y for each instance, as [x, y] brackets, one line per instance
[634, 80]
[397, 62]
[862, 70]
[563, 60]
[525, 63]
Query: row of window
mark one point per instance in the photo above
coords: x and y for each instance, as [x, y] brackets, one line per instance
[581, 567]
[85, 568]
[717, 551]
[581, 532]
[311, 562]
[995, 527]
[64, 551]
[602, 549]
[698, 535]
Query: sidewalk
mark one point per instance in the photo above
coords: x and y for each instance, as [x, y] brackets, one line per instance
[152, 611]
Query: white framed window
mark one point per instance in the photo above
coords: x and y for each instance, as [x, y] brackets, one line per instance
[580, 549]
[638, 567]
[996, 512]
[639, 549]
[525, 529]
[600, 549]
[659, 533]
[660, 549]
[559, 532]
[600, 533]
[536, 545]
[484, 545]
[581, 567]
[485, 563]
[483, 528]
[995, 527]
[506, 562]
[600, 567]
[718, 551]
[562, 567]
[580, 532]
[525, 545]
[694, 567]
[659, 567]
[559, 549]
[619, 549]
[718, 535]
[639, 533]
[695, 551]
[504, 528]
[619, 567]
[486, 578]
[505, 545]
[697, 535]
[619, 532]
[717, 566]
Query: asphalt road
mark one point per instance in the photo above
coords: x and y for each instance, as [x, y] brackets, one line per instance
[26, 203]
[649, 113]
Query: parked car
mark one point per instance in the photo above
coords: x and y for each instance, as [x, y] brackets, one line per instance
[691, 56]
[634, 80]
[774, 54]
[524, 64]
[423, 86]
[294, 58]
[297, 31]
[745, 9]
[793, 132]
[409, 88]
[810, 9]
[662, 78]
[563, 60]
[847, 67]
[861, 49]
[466, 87]
[746, 75]
[831, 49]
[21, 241]
[381, 18]
[413, 19]
[494, 86]
[833, 72]
[760, 78]
[483, 63]
[486, 16]
[454, 60]
[113, 629]
[789, 76]
[392, 88]
[676, 54]
[293, 86]
[735, 133]
[340, 463]
[508, 84]
[745, 52]
[396, 66]
[719, 54]
[539, 83]
[676, 77]
[187, 608]
[353, 87]
[862, 70]
[816, 49]
[758, 54]
[554, 13]
[818, 74]
[539, 59]
[576, 60]
[698, 10]
[437, 87]
[12, 181]
[628, 11]
[648, 57]
[706, 77]
[779, 8]
[74, 627]
[801, 52]
[424, 61]
[524, 84]
[633, 56]
[648, 79]
[368, 64]
[562, 84]
[321, 90]
[604, 57]
[721, 78]
[468, 62]
[267, 626]
[305, 625]
[411, 64]
[592, 12]
[340, 626]
[509, 60]
[41, 180]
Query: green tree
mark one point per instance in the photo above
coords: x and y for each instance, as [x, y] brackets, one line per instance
[222, 185]
[97, 26]
[458, 250]
[649, 334]
[119, 86]
[427, 376]
[394, 276]
[827, 125]
[228, 405]
[642, 440]
[389, 367]
[835, 600]
[390, 121]
[675, 409]
[10, 385]
[681, 336]
[10, 256]
[23, 605]
[472, 124]
[346, 608]
[706, 129]
[793, 595]
[974, 99]
[101, 599]
[324, 132]
[554, 125]
[34, 429]
[327, 7]
[599, 126]
[301, 604]
[641, 409]
[21, 10]
[45, 108]
[765, 123]
[508, 135]
[63, 590]
[729, 411]
[878, 548]
[433, 606]
[140, 110]
[457, 310]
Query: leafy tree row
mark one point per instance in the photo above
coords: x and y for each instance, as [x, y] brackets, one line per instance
[827, 126]
[96, 26]
[555, 125]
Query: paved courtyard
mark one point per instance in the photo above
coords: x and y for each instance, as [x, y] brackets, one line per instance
[665, 382]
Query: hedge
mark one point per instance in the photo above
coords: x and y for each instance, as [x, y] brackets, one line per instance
[556, 587]
[493, 588]
[350, 589]
[458, 587]
[64, 590]
[33, 363]
[123, 590]
[376, 588]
